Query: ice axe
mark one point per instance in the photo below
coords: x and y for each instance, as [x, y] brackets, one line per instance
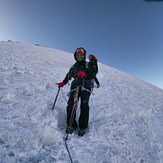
[56, 98]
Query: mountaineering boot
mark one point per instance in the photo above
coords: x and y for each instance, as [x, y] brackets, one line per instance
[81, 132]
[70, 130]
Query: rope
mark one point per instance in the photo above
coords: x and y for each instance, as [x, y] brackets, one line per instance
[64, 96]
[71, 120]
[68, 148]
[74, 107]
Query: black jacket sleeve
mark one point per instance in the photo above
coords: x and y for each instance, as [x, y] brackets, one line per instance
[91, 72]
[96, 80]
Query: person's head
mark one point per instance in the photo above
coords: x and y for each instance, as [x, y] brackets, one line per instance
[92, 58]
[80, 54]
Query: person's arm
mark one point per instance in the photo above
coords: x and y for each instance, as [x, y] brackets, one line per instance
[91, 72]
[97, 82]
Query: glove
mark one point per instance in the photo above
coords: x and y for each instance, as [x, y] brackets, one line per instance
[98, 85]
[81, 74]
[61, 84]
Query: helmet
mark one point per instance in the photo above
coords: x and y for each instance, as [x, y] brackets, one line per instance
[92, 58]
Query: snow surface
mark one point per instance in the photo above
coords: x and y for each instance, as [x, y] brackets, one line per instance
[126, 114]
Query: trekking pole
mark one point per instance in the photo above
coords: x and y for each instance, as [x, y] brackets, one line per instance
[56, 98]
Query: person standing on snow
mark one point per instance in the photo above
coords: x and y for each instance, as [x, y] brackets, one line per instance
[93, 63]
[83, 77]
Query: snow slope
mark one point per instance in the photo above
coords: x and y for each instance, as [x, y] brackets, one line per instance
[126, 114]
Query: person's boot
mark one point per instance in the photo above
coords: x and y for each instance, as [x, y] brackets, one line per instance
[70, 130]
[81, 132]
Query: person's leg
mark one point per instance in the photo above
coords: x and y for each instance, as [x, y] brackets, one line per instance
[71, 112]
[84, 109]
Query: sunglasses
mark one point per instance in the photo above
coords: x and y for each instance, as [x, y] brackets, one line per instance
[80, 52]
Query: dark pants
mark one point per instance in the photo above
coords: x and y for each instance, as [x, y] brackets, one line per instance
[84, 109]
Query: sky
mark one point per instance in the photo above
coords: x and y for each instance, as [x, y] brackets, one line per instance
[126, 35]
